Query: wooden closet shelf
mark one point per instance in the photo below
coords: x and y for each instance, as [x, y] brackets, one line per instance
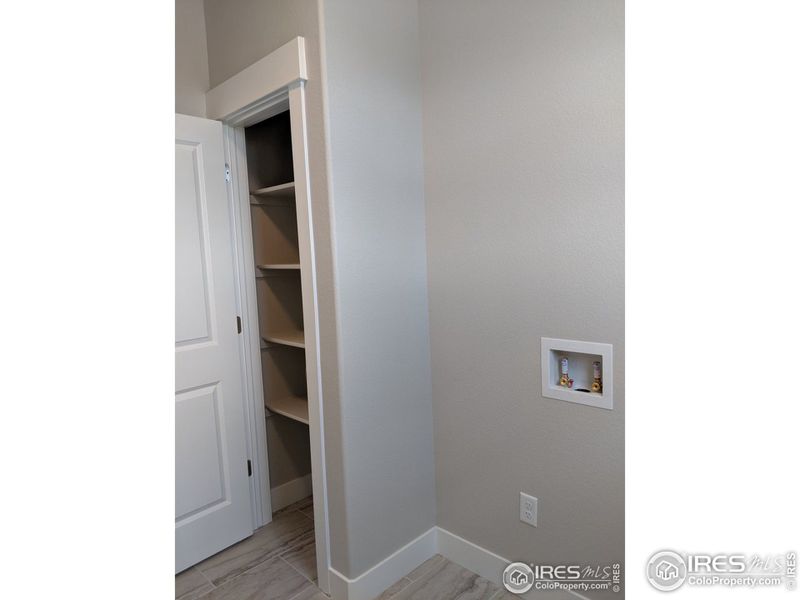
[284, 190]
[293, 407]
[279, 266]
[287, 338]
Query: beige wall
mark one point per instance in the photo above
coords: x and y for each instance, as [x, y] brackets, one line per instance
[524, 183]
[191, 58]
[240, 32]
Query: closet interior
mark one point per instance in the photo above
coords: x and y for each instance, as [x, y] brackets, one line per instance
[280, 302]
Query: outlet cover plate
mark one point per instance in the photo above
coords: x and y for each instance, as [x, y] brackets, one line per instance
[528, 509]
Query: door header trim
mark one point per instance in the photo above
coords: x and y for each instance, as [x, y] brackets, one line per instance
[233, 100]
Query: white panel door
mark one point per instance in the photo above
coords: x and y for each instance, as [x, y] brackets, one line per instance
[212, 492]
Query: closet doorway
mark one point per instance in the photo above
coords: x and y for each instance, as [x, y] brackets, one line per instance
[263, 115]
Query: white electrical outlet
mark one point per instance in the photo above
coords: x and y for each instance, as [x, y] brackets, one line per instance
[528, 509]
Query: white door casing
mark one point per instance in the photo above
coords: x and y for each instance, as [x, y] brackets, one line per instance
[212, 492]
[271, 85]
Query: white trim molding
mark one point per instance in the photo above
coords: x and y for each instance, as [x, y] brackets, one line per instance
[278, 70]
[486, 563]
[371, 583]
[436, 540]
[248, 311]
[479, 560]
[308, 276]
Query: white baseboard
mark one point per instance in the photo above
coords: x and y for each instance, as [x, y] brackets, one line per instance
[371, 583]
[487, 564]
[290, 492]
[471, 556]
[436, 540]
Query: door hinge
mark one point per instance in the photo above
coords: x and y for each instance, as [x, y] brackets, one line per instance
[249, 468]
[227, 173]
[238, 324]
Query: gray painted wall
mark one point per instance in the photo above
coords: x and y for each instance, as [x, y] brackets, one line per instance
[374, 109]
[524, 185]
[191, 58]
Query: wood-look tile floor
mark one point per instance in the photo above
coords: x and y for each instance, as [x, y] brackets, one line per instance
[278, 563]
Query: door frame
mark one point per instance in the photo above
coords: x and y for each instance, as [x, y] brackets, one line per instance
[272, 85]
